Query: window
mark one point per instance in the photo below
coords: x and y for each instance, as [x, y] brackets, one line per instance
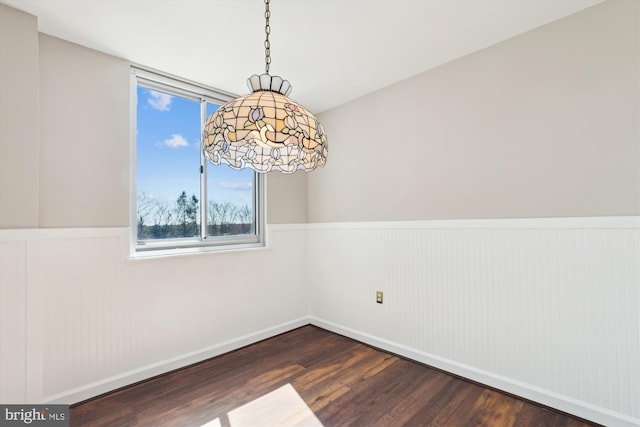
[183, 203]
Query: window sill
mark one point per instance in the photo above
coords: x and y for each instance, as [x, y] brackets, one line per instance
[197, 250]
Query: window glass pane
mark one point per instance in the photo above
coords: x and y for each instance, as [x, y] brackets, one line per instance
[230, 198]
[168, 163]
[170, 201]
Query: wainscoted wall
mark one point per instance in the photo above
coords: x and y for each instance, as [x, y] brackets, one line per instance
[20, 338]
[80, 318]
[548, 309]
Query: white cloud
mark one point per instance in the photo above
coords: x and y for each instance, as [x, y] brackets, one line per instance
[159, 101]
[242, 186]
[176, 141]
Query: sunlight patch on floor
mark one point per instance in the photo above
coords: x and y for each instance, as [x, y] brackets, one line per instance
[282, 407]
[213, 423]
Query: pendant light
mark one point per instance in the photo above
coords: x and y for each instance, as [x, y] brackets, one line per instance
[265, 130]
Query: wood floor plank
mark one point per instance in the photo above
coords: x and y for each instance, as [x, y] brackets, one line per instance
[408, 409]
[456, 411]
[311, 375]
[360, 400]
[391, 394]
[336, 367]
[438, 401]
[495, 409]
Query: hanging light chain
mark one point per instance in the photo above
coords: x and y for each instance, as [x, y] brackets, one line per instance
[267, 31]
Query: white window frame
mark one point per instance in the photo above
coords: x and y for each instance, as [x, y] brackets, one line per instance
[162, 247]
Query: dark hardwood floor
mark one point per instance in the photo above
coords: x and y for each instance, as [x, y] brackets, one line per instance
[287, 379]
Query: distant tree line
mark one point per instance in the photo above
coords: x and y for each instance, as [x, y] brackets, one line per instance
[157, 220]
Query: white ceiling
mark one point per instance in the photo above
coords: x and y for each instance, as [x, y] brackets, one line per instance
[331, 51]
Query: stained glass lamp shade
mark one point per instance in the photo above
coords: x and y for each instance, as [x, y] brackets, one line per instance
[265, 131]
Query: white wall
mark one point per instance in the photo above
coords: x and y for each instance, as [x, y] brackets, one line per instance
[84, 143]
[81, 318]
[84, 136]
[77, 317]
[545, 124]
[548, 309]
[18, 119]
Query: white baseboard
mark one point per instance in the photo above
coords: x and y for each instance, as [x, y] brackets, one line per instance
[146, 372]
[554, 400]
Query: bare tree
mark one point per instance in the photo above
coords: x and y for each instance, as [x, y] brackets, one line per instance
[162, 221]
[145, 207]
[212, 216]
[224, 212]
[245, 217]
[187, 214]
[157, 220]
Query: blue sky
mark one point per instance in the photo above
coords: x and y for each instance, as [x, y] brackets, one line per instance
[168, 153]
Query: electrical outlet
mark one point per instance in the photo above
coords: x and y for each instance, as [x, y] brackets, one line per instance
[379, 297]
